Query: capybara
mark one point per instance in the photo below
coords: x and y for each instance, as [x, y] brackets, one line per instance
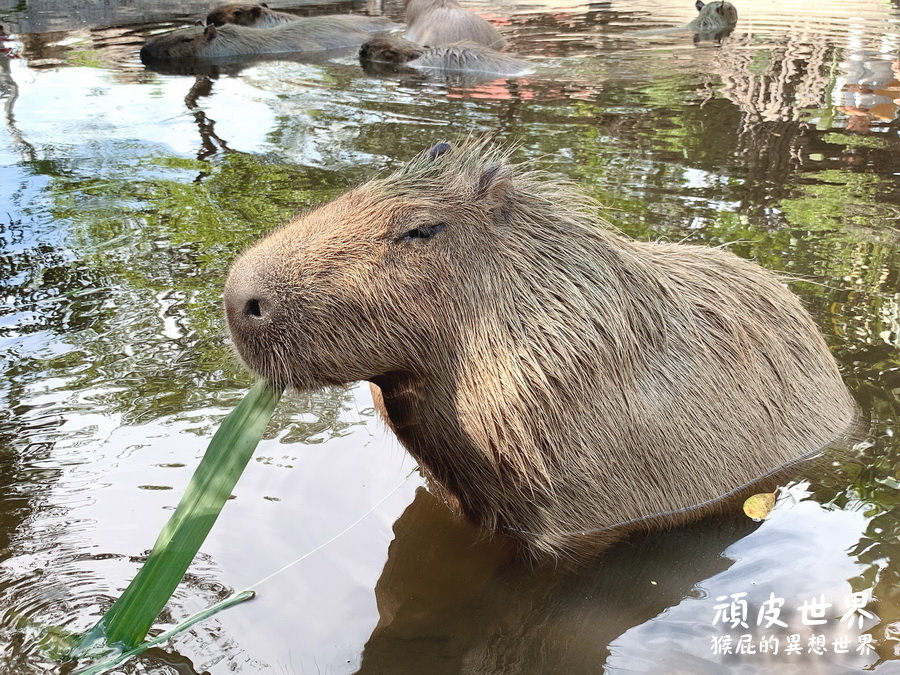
[443, 22]
[553, 377]
[714, 17]
[461, 57]
[246, 14]
[308, 34]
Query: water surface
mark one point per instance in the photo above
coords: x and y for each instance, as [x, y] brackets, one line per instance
[126, 192]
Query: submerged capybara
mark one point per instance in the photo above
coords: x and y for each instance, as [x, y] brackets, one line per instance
[552, 377]
[308, 34]
[443, 22]
[461, 57]
[246, 14]
[716, 16]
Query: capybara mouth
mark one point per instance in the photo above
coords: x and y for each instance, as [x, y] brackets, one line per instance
[274, 361]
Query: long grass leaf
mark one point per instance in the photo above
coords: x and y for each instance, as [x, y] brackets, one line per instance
[128, 620]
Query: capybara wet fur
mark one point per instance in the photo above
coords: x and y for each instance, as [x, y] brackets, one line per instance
[443, 22]
[552, 376]
[461, 57]
[247, 14]
[307, 34]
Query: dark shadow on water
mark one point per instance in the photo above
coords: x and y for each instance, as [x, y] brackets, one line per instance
[234, 65]
[452, 602]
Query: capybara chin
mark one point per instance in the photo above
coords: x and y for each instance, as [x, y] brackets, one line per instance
[461, 57]
[443, 22]
[247, 14]
[552, 376]
[308, 34]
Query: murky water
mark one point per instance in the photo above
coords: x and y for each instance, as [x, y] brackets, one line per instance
[126, 192]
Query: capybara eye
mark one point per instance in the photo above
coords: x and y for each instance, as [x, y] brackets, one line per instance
[423, 232]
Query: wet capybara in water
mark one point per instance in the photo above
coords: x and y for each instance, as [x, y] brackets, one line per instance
[245, 14]
[461, 57]
[551, 376]
[308, 34]
[716, 20]
[714, 16]
[443, 22]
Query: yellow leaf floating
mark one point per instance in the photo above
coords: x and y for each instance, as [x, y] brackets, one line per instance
[759, 506]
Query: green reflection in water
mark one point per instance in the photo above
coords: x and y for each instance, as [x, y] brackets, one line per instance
[129, 299]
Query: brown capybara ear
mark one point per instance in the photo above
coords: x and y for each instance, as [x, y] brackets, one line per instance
[210, 32]
[262, 4]
[495, 185]
[699, 5]
[256, 12]
[438, 150]
[720, 9]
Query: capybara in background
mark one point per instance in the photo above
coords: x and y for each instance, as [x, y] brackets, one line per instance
[461, 57]
[551, 376]
[246, 14]
[443, 22]
[714, 17]
[308, 34]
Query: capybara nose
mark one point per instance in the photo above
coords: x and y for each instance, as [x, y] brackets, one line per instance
[246, 306]
[254, 307]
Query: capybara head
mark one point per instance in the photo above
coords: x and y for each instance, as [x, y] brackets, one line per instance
[554, 378]
[393, 50]
[184, 43]
[243, 14]
[372, 283]
[718, 13]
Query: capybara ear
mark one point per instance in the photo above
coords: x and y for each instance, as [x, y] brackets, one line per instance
[256, 12]
[699, 5]
[720, 9]
[495, 184]
[438, 150]
[210, 32]
[263, 4]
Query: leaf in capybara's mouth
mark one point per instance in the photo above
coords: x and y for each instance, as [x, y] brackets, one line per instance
[126, 623]
[759, 506]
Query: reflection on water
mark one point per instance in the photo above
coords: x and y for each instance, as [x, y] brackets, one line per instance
[127, 191]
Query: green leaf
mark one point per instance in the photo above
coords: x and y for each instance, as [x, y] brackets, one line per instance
[128, 620]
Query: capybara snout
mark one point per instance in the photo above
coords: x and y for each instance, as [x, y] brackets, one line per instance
[247, 305]
[551, 376]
